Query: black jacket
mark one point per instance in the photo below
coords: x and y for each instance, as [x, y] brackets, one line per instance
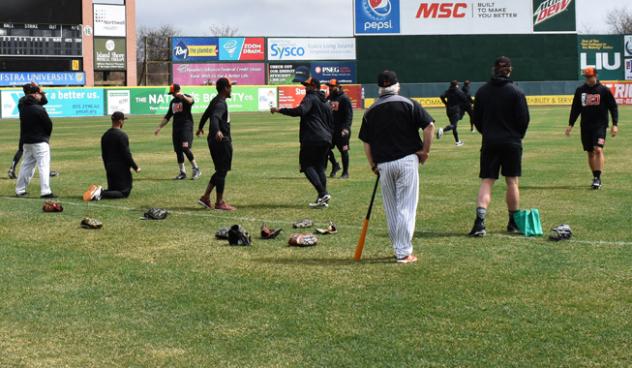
[593, 104]
[342, 110]
[453, 99]
[466, 91]
[501, 113]
[217, 112]
[115, 150]
[35, 124]
[317, 121]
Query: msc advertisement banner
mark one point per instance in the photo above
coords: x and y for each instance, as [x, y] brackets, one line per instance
[604, 52]
[408, 17]
[296, 49]
[206, 74]
[12, 79]
[62, 102]
[240, 48]
[554, 16]
[194, 49]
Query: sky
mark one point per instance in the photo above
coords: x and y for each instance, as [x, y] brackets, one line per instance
[301, 17]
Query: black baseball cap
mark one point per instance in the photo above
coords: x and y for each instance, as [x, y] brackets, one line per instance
[387, 78]
[30, 88]
[223, 83]
[174, 88]
[301, 74]
[118, 116]
[502, 62]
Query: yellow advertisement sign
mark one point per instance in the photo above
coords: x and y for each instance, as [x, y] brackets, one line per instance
[203, 51]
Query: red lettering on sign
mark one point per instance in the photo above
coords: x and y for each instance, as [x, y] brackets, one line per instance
[442, 10]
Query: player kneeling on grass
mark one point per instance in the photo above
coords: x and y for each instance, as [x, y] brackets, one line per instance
[219, 143]
[315, 134]
[592, 101]
[501, 115]
[182, 135]
[394, 149]
[118, 162]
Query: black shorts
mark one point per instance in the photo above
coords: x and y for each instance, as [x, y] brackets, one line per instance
[340, 142]
[221, 153]
[314, 156]
[593, 137]
[503, 158]
[182, 139]
[454, 115]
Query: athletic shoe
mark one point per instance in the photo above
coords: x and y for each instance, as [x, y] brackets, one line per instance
[459, 143]
[478, 230]
[181, 176]
[53, 174]
[439, 133]
[196, 173]
[322, 202]
[596, 184]
[512, 228]
[97, 194]
[345, 176]
[21, 195]
[91, 193]
[206, 203]
[408, 259]
[326, 198]
[334, 170]
[11, 174]
[473, 131]
[48, 196]
[223, 206]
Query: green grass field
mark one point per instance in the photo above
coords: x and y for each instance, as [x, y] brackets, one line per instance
[167, 294]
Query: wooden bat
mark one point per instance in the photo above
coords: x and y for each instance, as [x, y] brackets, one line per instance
[365, 225]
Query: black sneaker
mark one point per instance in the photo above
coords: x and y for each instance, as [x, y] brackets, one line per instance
[11, 174]
[196, 173]
[53, 174]
[478, 230]
[512, 228]
[596, 184]
[181, 176]
[21, 195]
[345, 176]
[48, 196]
[334, 170]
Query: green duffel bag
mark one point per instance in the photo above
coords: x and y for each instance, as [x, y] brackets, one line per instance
[528, 222]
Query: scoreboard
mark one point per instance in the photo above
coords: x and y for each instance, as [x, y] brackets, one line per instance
[40, 40]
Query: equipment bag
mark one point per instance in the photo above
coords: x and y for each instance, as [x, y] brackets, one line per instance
[528, 222]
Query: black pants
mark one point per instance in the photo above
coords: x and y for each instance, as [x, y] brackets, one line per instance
[313, 161]
[454, 115]
[119, 182]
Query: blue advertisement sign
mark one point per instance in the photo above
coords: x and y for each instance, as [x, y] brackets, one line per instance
[230, 48]
[13, 79]
[194, 49]
[343, 71]
[62, 102]
[377, 16]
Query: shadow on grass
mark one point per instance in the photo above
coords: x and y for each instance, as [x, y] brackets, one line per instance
[154, 179]
[268, 206]
[553, 187]
[440, 234]
[333, 262]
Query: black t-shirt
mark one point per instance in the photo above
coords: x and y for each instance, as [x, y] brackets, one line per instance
[593, 104]
[180, 110]
[217, 112]
[391, 126]
[115, 149]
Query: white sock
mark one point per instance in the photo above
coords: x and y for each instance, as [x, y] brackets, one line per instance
[194, 164]
[182, 168]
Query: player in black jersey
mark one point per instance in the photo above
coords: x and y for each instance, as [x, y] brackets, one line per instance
[180, 110]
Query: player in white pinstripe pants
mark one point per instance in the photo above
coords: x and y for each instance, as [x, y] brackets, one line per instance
[394, 149]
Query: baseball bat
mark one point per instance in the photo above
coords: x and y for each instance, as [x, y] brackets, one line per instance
[365, 224]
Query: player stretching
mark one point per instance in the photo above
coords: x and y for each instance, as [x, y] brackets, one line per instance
[343, 118]
[593, 101]
[316, 128]
[180, 110]
[219, 143]
[453, 99]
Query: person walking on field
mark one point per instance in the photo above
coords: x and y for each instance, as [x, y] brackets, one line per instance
[343, 118]
[454, 100]
[592, 102]
[316, 130]
[501, 115]
[35, 131]
[219, 143]
[468, 106]
[394, 149]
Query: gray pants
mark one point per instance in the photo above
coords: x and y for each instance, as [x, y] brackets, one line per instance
[400, 191]
[35, 155]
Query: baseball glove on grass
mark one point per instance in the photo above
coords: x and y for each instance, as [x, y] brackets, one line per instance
[52, 206]
[156, 214]
[302, 224]
[90, 223]
[303, 240]
[237, 235]
[268, 233]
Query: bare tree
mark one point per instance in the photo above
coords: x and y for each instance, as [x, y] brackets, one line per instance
[155, 43]
[620, 20]
[223, 30]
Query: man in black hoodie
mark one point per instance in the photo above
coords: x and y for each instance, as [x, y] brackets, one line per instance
[35, 130]
[316, 129]
[501, 115]
[454, 100]
[468, 107]
[593, 101]
[343, 118]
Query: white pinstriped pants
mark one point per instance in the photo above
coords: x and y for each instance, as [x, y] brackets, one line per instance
[400, 192]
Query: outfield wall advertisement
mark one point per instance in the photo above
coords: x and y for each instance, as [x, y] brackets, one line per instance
[62, 102]
[622, 91]
[12, 79]
[291, 96]
[206, 74]
[605, 53]
[296, 49]
[343, 71]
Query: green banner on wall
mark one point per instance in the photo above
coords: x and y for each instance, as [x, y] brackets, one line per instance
[604, 52]
[554, 16]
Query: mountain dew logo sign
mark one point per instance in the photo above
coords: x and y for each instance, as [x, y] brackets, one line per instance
[554, 16]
